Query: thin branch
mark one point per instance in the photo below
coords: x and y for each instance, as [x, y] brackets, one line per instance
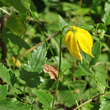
[88, 101]
[92, 98]
[31, 49]
[98, 63]
[82, 104]
[4, 11]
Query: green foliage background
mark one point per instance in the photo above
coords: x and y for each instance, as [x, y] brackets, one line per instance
[24, 25]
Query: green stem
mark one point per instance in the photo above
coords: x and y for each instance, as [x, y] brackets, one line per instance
[104, 35]
[59, 72]
[107, 35]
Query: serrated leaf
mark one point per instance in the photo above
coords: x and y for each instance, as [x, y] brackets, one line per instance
[6, 75]
[105, 105]
[106, 16]
[96, 52]
[15, 24]
[45, 99]
[31, 79]
[9, 104]
[37, 60]
[3, 91]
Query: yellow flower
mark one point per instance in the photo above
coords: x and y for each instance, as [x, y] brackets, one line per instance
[77, 39]
[16, 62]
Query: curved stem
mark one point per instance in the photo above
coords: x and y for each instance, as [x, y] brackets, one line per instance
[107, 35]
[59, 72]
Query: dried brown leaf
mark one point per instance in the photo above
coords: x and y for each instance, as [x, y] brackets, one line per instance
[51, 70]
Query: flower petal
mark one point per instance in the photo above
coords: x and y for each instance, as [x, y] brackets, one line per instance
[85, 41]
[72, 44]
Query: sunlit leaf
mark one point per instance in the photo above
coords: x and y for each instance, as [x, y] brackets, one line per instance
[6, 75]
[105, 105]
[106, 16]
[9, 104]
[37, 60]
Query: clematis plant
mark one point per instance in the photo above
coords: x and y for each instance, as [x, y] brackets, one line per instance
[77, 40]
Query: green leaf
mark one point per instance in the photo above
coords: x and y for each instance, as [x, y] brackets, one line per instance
[45, 99]
[96, 2]
[104, 57]
[20, 5]
[53, 17]
[78, 85]
[107, 97]
[87, 106]
[96, 48]
[85, 68]
[16, 40]
[91, 92]
[5, 2]
[105, 105]
[3, 91]
[65, 65]
[62, 23]
[37, 60]
[96, 52]
[6, 75]
[60, 109]
[106, 16]
[9, 104]
[15, 24]
[101, 76]
[65, 97]
[31, 79]
[78, 73]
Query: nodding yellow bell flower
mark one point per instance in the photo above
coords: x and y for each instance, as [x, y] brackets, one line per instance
[77, 40]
